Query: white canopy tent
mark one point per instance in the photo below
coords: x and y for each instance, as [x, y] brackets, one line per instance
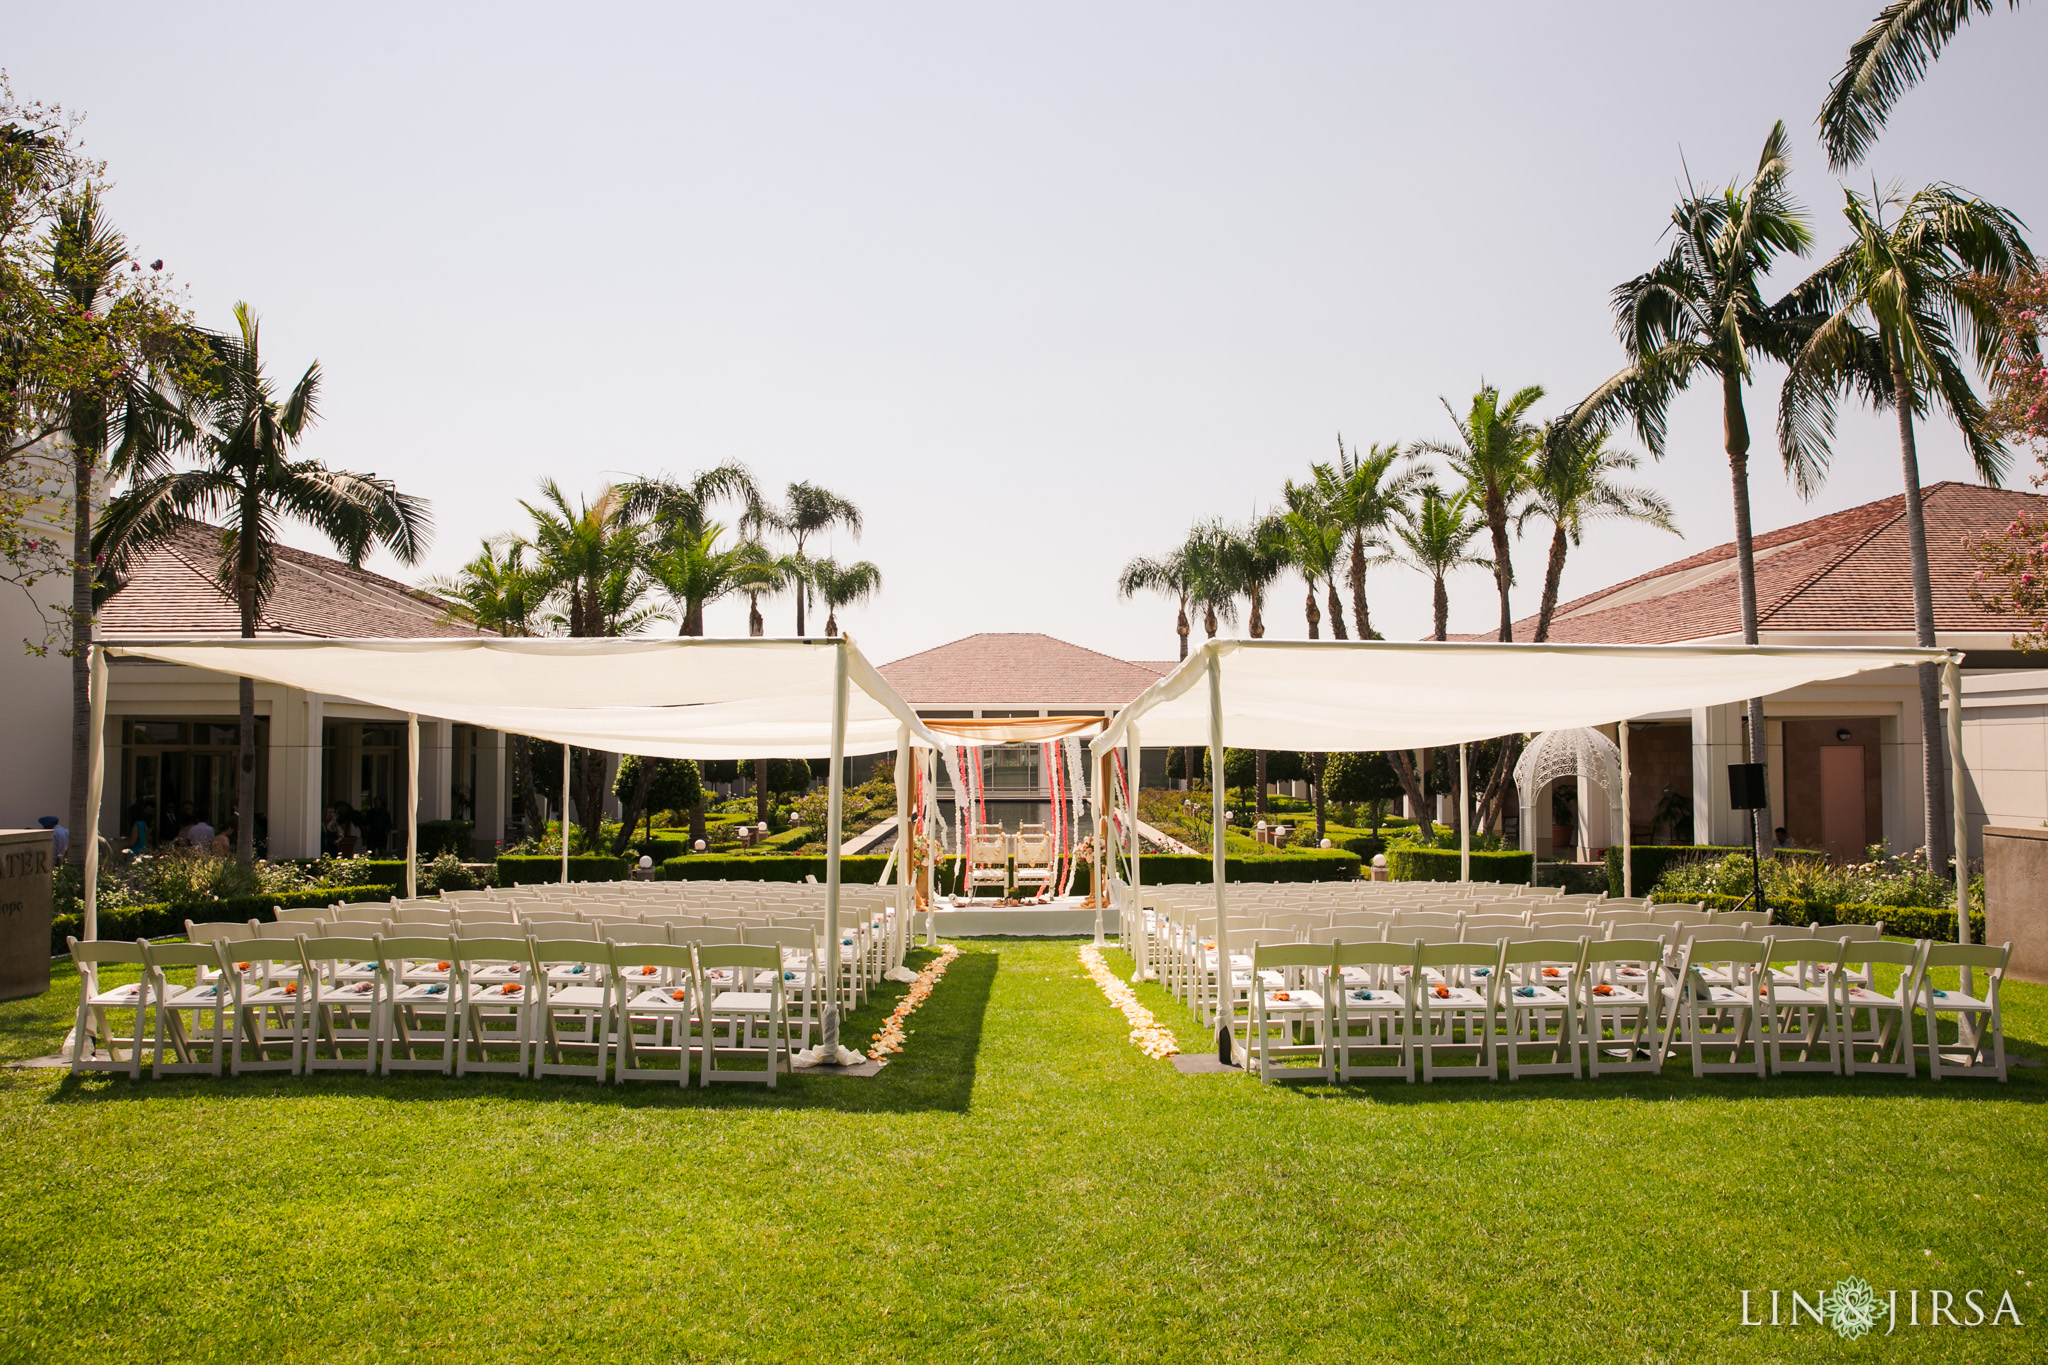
[1340, 696]
[661, 698]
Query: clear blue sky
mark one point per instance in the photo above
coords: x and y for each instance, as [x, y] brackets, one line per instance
[1036, 286]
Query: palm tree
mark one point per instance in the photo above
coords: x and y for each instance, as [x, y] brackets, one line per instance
[243, 437]
[1365, 492]
[1206, 564]
[806, 510]
[1571, 482]
[1893, 309]
[1166, 575]
[588, 563]
[1254, 557]
[843, 585]
[499, 591]
[1435, 539]
[1699, 313]
[689, 565]
[1495, 444]
[1315, 540]
[113, 415]
[1888, 60]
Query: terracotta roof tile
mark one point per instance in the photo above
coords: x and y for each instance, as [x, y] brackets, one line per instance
[1847, 571]
[172, 590]
[1017, 670]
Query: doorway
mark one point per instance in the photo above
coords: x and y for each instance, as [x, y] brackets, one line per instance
[1842, 831]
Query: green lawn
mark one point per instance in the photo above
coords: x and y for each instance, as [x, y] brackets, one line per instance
[1020, 1185]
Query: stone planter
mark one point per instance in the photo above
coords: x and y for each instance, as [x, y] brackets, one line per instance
[2016, 897]
[25, 867]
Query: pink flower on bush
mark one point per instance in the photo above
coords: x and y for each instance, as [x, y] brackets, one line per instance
[2027, 580]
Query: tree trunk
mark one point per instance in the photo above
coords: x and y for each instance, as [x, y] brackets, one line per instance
[1209, 620]
[1492, 817]
[245, 585]
[761, 790]
[636, 802]
[1181, 625]
[697, 828]
[756, 627]
[831, 623]
[82, 823]
[1735, 428]
[1315, 617]
[1259, 777]
[521, 751]
[1358, 613]
[1257, 625]
[1503, 568]
[1188, 759]
[1336, 613]
[1317, 765]
[1412, 787]
[1442, 603]
[588, 773]
[1933, 745]
[1553, 574]
[800, 612]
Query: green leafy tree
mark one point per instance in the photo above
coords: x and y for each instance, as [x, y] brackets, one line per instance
[645, 785]
[1315, 542]
[1884, 63]
[1212, 583]
[1366, 779]
[498, 591]
[1435, 539]
[808, 510]
[1572, 482]
[1496, 445]
[1895, 310]
[695, 570]
[242, 437]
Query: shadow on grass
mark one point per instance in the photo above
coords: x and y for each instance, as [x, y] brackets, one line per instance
[934, 1073]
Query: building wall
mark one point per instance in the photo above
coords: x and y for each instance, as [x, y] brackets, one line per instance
[2005, 751]
[1659, 756]
[38, 693]
[1804, 739]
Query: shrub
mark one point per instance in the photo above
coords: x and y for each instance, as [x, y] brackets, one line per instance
[1650, 860]
[1316, 865]
[516, 869]
[164, 921]
[864, 869]
[662, 847]
[1410, 864]
[445, 836]
[450, 873]
[1366, 846]
[1900, 921]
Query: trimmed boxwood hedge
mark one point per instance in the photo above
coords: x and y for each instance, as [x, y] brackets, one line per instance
[527, 869]
[662, 847]
[1157, 869]
[1366, 846]
[1441, 865]
[446, 836]
[1650, 860]
[1310, 865]
[1899, 921]
[162, 921]
[863, 869]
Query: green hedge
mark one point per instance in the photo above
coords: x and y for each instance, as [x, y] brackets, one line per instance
[1650, 860]
[527, 869]
[662, 847]
[162, 921]
[1310, 865]
[1411, 864]
[445, 836]
[1900, 921]
[1366, 846]
[863, 869]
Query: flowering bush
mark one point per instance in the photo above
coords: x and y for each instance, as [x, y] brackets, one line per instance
[2012, 579]
[1882, 879]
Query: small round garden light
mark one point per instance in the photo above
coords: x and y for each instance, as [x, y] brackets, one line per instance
[645, 862]
[761, 828]
[699, 845]
[1327, 844]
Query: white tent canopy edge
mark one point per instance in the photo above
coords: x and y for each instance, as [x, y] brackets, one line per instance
[1362, 695]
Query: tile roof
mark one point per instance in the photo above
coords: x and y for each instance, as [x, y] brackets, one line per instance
[172, 590]
[1847, 571]
[1017, 670]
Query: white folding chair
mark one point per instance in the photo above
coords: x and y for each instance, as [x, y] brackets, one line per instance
[1287, 985]
[204, 996]
[1801, 1002]
[1536, 1012]
[493, 987]
[1710, 1017]
[419, 995]
[755, 1022]
[1979, 1049]
[90, 1029]
[1869, 1018]
[1454, 1012]
[1619, 990]
[266, 1007]
[343, 1003]
[571, 1004]
[652, 985]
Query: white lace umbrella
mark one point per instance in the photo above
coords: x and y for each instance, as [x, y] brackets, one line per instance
[1568, 753]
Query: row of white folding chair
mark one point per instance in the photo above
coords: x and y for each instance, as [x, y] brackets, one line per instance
[1799, 1007]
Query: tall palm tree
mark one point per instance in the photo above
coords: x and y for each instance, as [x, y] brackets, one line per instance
[1366, 491]
[588, 559]
[1435, 538]
[1254, 556]
[1571, 482]
[243, 437]
[115, 417]
[1315, 541]
[498, 591]
[1166, 575]
[1207, 562]
[808, 509]
[1495, 444]
[1895, 308]
[843, 585]
[692, 567]
[1887, 61]
[1699, 313]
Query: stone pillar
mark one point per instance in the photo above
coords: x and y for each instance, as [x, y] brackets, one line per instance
[493, 788]
[2016, 897]
[26, 863]
[437, 776]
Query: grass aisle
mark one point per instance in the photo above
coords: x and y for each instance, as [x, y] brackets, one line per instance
[1021, 1184]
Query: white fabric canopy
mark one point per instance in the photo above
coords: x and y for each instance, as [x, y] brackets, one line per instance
[659, 697]
[1333, 696]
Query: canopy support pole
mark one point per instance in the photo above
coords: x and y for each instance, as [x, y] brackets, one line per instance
[412, 805]
[931, 867]
[95, 785]
[1133, 913]
[565, 815]
[828, 1030]
[1101, 861]
[1628, 852]
[1952, 675]
[898, 941]
[1226, 1007]
[1464, 815]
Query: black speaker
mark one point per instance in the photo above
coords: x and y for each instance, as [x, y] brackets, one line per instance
[1747, 789]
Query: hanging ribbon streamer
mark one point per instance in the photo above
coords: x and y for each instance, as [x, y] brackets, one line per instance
[1077, 797]
[963, 806]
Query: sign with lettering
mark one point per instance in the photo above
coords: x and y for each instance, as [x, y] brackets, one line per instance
[26, 863]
